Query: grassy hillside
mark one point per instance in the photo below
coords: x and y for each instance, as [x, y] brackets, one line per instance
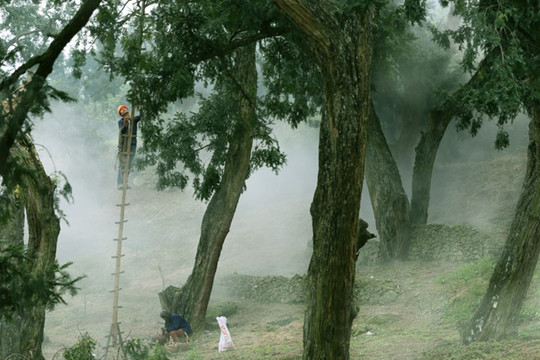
[416, 318]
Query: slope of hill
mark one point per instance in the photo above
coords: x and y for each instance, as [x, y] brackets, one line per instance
[270, 236]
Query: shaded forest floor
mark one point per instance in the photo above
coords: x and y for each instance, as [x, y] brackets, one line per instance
[420, 322]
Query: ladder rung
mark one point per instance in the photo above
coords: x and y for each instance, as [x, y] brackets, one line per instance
[115, 256]
[114, 290]
[123, 239]
[126, 204]
[121, 272]
[118, 222]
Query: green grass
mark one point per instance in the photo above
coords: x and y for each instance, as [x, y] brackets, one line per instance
[465, 288]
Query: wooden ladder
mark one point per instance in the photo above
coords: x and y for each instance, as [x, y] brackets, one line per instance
[115, 335]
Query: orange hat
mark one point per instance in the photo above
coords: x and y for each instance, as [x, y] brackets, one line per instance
[120, 108]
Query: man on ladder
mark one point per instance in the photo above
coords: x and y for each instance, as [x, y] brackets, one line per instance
[124, 138]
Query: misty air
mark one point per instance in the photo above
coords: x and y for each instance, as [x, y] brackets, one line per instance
[286, 179]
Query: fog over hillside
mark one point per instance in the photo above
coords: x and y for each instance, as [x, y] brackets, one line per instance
[269, 235]
[272, 222]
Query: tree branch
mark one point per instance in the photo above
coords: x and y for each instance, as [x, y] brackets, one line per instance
[35, 86]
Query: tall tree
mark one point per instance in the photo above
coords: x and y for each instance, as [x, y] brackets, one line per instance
[340, 40]
[217, 47]
[506, 31]
[497, 315]
[36, 281]
[194, 296]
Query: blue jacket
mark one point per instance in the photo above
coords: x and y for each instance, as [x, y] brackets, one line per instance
[176, 322]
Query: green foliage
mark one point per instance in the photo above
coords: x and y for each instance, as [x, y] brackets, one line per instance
[136, 349]
[415, 10]
[205, 134]
[166, 71]
[350, 6]
[284, 64]
[27, 28]
[505, 34]
[79, 60]
[21, 289]
[193, 354]
[465, 288]
[159, 353]
[410, 71]
[82, 350]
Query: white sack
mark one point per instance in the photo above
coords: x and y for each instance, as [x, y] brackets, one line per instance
[225, 340]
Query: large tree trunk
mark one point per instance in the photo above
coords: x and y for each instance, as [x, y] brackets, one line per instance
[342, 46]
[389, 201]
[38, 197]
[192, 299]
[497, 315]
[11, 232]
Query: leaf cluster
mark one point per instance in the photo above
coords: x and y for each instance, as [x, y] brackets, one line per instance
[187, 43]
[292, 80]
[82, 350]
[28, 27]
[503, 33]
[201, 142]
[21, 288]
[136, 349]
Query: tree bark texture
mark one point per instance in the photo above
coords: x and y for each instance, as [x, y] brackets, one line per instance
[11, 232]
[388, 199]
[38, 197]
[342, 46]
[192, 299]
[497, 315]
[34, 89]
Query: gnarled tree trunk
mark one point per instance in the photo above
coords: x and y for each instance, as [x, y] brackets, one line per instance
[192, 299]
[38, 196]
[497, 315]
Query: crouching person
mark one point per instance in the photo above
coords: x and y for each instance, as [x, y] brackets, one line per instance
[176, 327]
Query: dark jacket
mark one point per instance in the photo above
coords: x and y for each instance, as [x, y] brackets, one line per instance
[175, 322]
[124, 129]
